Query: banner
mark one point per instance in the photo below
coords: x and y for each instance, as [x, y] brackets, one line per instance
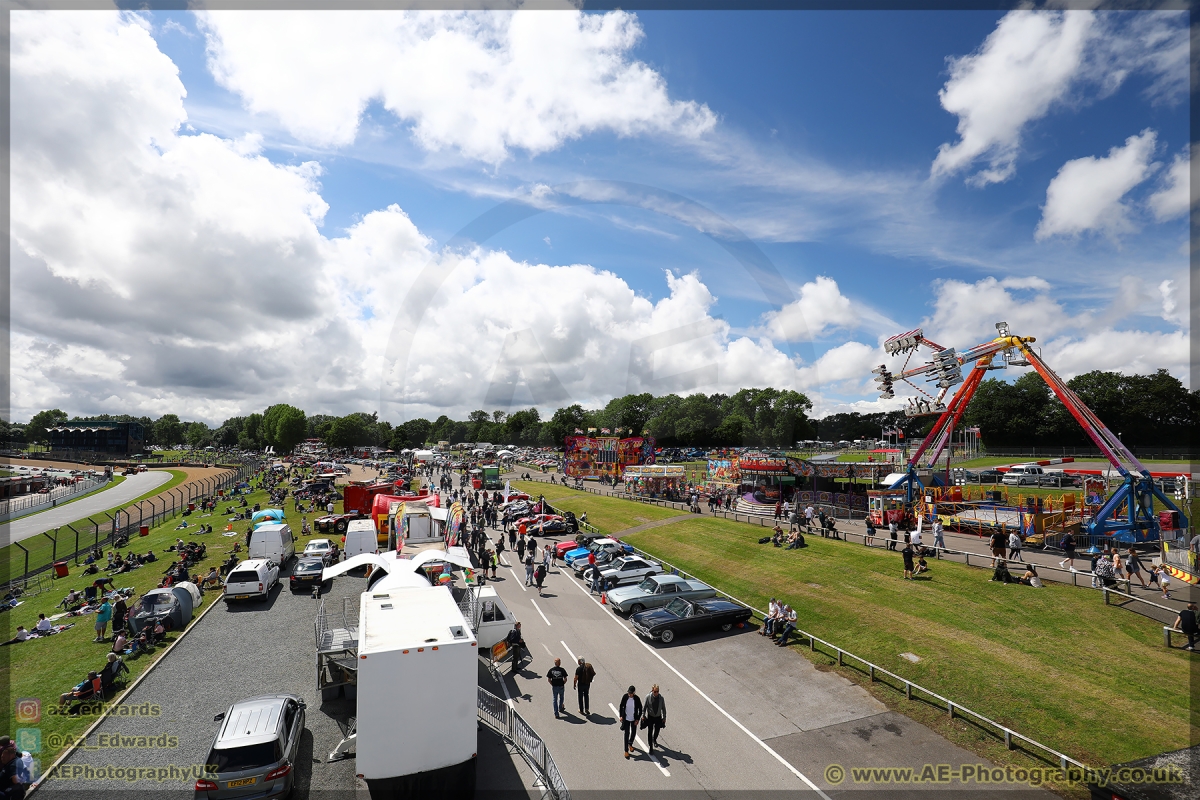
[596, 456]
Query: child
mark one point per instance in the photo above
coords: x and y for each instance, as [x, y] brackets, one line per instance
[1164, 580]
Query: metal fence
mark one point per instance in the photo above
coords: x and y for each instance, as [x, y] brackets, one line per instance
[500, 717]
[69, 543]
[29, 501]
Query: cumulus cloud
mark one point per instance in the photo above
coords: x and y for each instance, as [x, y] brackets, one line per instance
[481, 83]
[1086, 193]
[1173, 198]
[1037, 61]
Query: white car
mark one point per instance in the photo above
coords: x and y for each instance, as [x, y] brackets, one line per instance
[253, 578]
[629, 569]
[322, 549]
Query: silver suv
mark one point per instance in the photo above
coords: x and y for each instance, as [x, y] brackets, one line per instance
[254, 752]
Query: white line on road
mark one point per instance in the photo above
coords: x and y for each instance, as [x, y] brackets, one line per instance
[711, 702]
[572, 655]
[642, 744]
[549, 652]
[539, 610]
[518, 580]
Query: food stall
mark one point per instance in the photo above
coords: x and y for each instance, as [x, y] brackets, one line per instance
[651, 480]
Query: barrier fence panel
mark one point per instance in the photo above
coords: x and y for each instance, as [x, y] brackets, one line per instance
[500, 717]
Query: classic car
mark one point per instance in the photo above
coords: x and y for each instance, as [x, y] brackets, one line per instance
[598, 546]
[624, 570]
[682, 616]
[582, 539]
[603, 559]
[656, 591]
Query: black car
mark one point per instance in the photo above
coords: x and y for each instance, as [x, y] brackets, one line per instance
[682, 616]
[987, 476]
[307, 573]
[1059, 479]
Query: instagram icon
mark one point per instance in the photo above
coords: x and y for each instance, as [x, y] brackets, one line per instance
[29, 709]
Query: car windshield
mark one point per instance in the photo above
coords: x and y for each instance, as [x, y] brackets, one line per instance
[314, 547]
[309, 566]
[252, 756]
[679, 607]
[648, 585]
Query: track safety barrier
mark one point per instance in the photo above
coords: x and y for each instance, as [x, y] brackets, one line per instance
[498, 716]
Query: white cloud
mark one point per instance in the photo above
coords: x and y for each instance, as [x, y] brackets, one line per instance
[482, 83]
[1086, 193]
[1037, 61]
[1173, 199]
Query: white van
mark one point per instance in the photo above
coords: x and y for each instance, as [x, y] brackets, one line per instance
[1022, 474]
[273, 541]
[360, 538]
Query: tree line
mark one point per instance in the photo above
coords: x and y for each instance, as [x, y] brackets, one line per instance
[1145, 410]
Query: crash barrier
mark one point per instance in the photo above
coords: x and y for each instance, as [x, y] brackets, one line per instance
[500, 717]
[121, 525]
[912, 691]
[1129, 597]
[27, 504]
[1167, 631]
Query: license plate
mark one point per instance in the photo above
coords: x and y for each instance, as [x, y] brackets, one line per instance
[242, 782]
[243, 597]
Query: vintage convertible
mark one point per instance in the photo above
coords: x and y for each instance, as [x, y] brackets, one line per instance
[656, 591]
[688, 616]
[597, 546]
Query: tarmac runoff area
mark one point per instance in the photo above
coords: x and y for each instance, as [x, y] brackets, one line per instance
[124, 492]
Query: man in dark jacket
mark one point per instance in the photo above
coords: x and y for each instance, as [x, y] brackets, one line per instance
[515, 642]
[629, 710]
[584, 674]
[656, 716]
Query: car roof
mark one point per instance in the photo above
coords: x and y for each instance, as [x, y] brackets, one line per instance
[252, 721]
[250, 563]
[325, 542]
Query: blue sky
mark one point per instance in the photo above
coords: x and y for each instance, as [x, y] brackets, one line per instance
[813, 133]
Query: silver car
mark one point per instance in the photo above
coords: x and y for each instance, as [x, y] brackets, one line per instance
[254, 753]
[656, 591]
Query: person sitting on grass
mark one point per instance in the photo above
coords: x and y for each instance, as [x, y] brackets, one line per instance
[922, 565]
[21, 636]
[43, 624]
[1030, 578]
[211, 580]
[795, 540]
[1001, 574]
[777, 538]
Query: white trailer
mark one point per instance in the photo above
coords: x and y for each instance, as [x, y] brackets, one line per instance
[417, 677]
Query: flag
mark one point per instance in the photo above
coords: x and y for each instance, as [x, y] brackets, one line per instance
[605, 431]
[579, 430]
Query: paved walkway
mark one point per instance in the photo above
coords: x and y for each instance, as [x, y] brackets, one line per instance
[34, 524]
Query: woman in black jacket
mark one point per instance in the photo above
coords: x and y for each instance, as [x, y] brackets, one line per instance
[656, 716]
[629, 710]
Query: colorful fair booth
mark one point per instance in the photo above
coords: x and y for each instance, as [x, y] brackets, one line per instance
[655, 480]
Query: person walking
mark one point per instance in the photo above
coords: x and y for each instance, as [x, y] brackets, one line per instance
[1068, 548]
[893, 534]
[584, 675]
[1186, 622]
[1133, 566]
[997, 546]
[520, 547]
[539, 577]
[656, 717]
[629, 709]
[529, 568]
[557, 677]
[939, 534]
[1014, 547]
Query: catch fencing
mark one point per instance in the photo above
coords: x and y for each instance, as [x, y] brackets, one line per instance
[25, 503]
[69, 543]
[499, 716]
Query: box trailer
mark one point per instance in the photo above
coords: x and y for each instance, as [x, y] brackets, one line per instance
[417, 676]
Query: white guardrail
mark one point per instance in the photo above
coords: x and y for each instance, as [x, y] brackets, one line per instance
[500, 717]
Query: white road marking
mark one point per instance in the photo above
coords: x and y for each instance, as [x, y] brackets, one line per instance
[548, 651]
[539, 610]
[574, 660]
[518, 580]
[711, 702]
[641, 744]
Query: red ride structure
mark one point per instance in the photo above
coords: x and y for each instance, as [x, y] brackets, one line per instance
[1128, 515]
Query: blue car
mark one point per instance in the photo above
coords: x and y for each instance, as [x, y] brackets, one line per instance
[597, 546]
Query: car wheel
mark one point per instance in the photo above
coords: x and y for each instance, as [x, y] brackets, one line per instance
[340, 526]
[727, 626]
[636, 607]
[668, 636]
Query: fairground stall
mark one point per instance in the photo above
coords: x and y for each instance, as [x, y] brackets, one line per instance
[606, 456]
[662, 480]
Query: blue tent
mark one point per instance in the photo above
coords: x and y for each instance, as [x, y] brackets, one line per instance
[267, 513]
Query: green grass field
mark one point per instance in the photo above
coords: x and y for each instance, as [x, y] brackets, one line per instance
[41, 549]
[1055, 664]
[44, 668]
[601, 512]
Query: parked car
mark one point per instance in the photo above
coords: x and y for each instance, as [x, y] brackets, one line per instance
[988, 476]
[624, 570]
[657, 591]
[323, 549]
[253, 753]
[598, 546]
[253, 578]
[307, 573]
[603, 559]
[1023, 474]
[582, 539]
[1059, 479]
[682, 616]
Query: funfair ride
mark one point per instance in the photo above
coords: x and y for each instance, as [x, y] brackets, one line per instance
[1127, 515]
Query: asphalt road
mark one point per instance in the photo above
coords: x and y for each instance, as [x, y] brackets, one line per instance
[133, 486]
[743, 715]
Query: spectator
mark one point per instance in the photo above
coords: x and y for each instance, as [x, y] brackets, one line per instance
[1133, 565]
[1164, 581]
[915, 539]
[584, 675]
[539, 576]
[630, 711]
[997, 546]
[772, 617]
[869, 541]
[656, 717]
[907, 555]
[557, 678]
[1014, 547]
[1030, 578]
[43, 624]
[1186, 622]
[14, 770]
[1104, 570]
[102, 617]
[788, 617]
[893, 533]
[939, 540]
[1068, 547]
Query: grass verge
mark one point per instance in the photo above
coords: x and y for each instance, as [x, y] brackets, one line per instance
[1055, 664]
[610, 515]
